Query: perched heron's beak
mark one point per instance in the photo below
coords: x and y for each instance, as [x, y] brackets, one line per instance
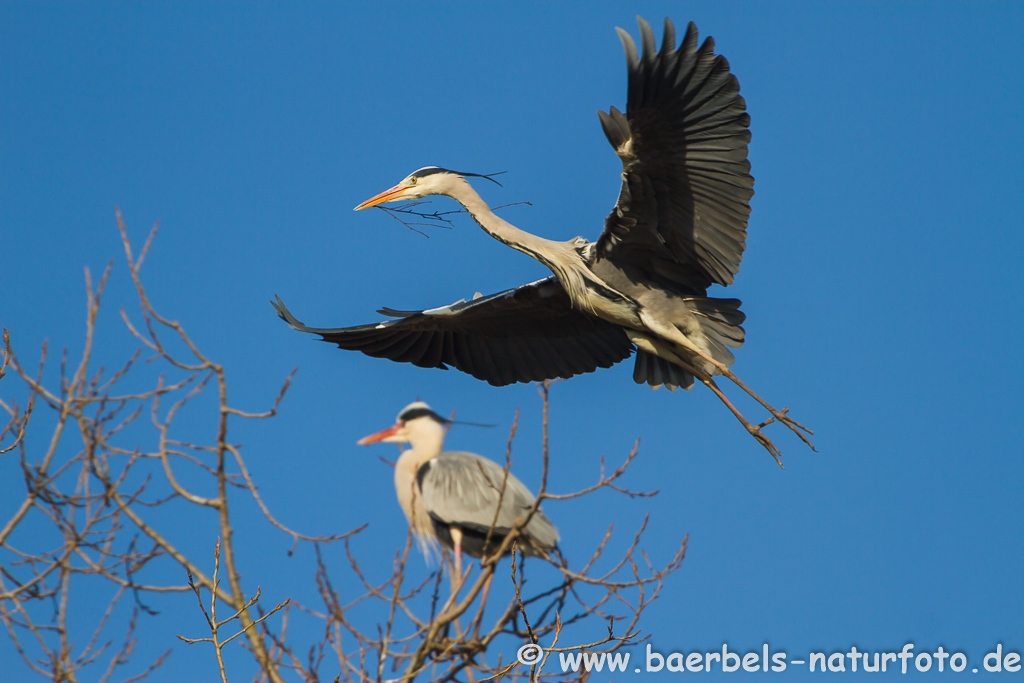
[381, 435]
[388, 195]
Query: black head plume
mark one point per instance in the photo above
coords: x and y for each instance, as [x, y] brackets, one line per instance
[488, 176]
[430, 170]
[420, 409]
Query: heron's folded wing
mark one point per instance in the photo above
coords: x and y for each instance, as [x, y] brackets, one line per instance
[681, 216]
[465, 489]
[527, 334]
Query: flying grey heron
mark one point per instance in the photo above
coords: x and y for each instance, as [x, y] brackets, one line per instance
[461, 501]
[678, 227]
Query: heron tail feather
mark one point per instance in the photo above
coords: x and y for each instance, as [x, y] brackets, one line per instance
[658, 372]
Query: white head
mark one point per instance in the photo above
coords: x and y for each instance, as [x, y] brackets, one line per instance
[417, 424]
[422, 183]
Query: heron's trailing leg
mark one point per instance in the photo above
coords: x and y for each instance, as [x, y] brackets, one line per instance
[780, 415]
[658, 348]
[755, 430]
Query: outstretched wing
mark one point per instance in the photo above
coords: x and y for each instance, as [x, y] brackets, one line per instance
[527, 334]
[681, 217]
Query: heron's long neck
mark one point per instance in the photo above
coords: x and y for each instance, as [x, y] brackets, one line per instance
[560, 257]
[425, 444]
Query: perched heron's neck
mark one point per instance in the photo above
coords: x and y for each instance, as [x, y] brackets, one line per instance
[426, 442]
[561, 257]
[424, 445]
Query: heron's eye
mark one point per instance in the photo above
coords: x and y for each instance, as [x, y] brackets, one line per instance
[413, 181]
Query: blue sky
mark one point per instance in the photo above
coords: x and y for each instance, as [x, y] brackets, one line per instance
[882, 281]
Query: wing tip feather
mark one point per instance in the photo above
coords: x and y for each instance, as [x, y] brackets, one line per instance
[284, 314]
[646, 38]
[632, 59]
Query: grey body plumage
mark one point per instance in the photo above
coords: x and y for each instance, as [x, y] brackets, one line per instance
[462, 489]
[678, 226]
[461, 501]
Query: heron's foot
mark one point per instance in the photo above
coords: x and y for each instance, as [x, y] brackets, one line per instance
[780, 415]
[755, 431]
[797, 428]
[777, 415]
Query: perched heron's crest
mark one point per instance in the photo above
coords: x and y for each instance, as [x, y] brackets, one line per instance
[430, 170]
[418, 409]
[469, 424]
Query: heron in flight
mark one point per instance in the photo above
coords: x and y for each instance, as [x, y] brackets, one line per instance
[462, 501]
[679, 225]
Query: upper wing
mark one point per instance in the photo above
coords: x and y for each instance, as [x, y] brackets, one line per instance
[681, 216]
[527, 334]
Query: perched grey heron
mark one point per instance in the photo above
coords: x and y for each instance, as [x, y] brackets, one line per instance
[678, 227]
[461, 501]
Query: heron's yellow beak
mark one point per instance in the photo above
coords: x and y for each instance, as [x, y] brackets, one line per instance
[384, 433]
[388, 195]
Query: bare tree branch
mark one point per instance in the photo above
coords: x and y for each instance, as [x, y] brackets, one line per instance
[102, 502]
